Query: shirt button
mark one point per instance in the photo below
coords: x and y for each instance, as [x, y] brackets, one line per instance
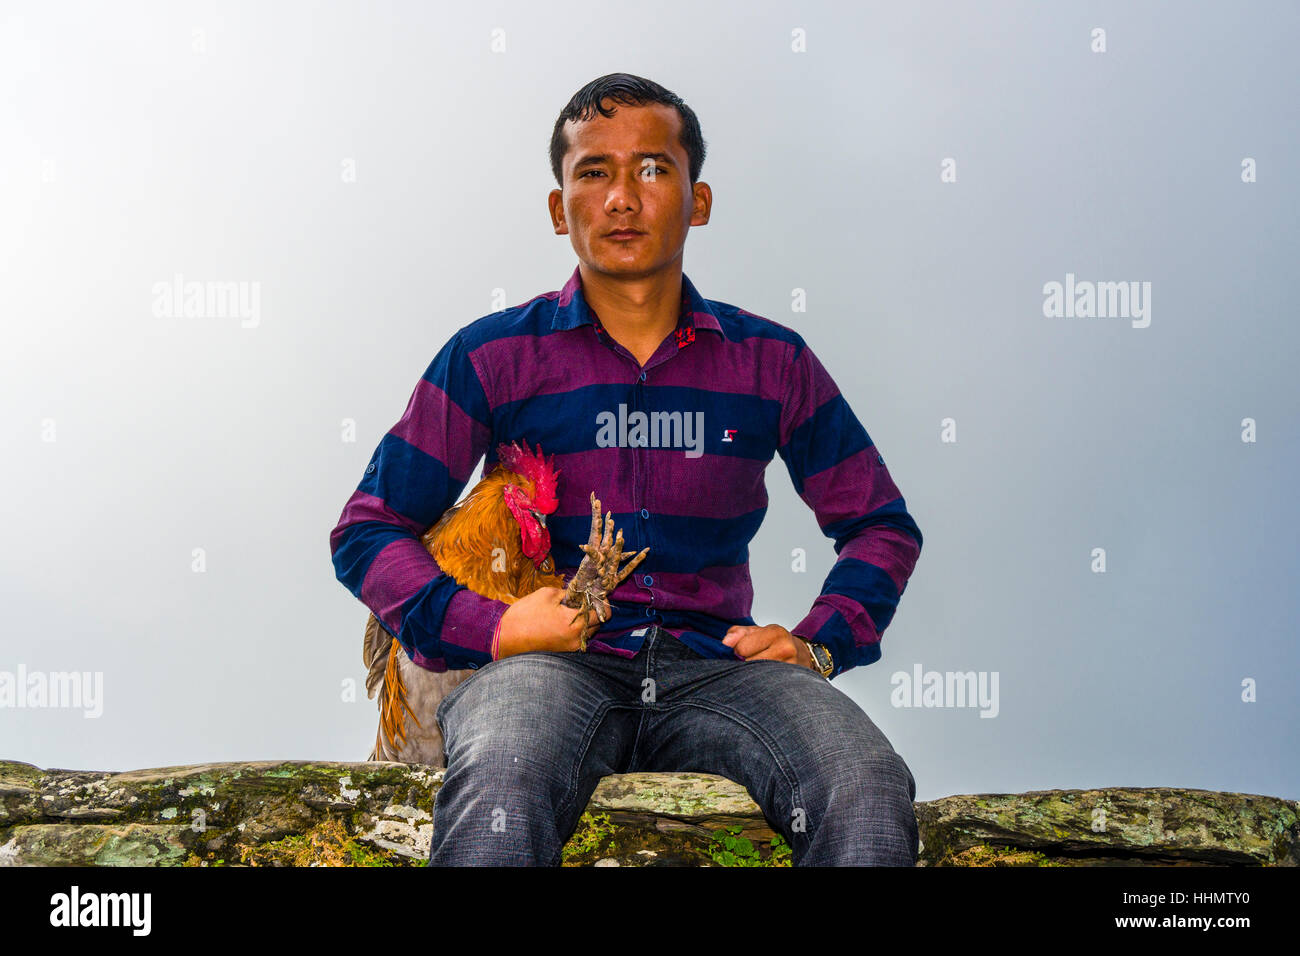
[644, 513]
[879, 460]
[649, 612]
[648, 579]
[643, 376]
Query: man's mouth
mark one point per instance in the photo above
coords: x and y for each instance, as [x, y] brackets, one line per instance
[624, 234]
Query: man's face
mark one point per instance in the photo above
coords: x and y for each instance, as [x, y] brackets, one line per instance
[610, 185]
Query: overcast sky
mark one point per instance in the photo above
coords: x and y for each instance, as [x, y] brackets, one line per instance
[372, 175]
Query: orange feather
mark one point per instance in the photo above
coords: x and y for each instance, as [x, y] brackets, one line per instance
[478, 543]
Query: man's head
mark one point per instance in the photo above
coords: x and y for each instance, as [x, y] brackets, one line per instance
[628, 90]
[627, 153]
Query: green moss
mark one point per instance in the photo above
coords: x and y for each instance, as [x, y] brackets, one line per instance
[328, 843]
[600, 835]
[991, 855]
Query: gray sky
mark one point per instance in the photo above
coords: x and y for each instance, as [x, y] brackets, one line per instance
[374, 173]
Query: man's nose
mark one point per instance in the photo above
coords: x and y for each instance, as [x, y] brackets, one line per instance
[624, 194]
[621, 202]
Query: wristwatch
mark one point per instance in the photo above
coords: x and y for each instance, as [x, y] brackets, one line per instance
[821, 655]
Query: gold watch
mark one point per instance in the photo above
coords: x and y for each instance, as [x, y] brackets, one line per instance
[821, 655]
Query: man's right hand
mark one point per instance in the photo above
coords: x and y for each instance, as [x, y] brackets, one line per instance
[539, 622]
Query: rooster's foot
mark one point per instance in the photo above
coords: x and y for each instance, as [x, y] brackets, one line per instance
[599, 573]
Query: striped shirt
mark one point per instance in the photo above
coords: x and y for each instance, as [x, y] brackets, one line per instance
[675, 449]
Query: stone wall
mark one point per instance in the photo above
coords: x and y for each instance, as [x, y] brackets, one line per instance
[376, 813]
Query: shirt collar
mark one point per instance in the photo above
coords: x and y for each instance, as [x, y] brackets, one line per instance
[571, 310]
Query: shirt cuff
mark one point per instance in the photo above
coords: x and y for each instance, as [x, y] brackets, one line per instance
[824, 625]
[469, 624]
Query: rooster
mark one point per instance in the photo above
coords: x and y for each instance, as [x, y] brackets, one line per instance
[495, 542]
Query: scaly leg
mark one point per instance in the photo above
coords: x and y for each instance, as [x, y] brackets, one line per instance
[599, 573]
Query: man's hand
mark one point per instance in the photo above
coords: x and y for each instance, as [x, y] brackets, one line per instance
[539, 622]
[771, 642]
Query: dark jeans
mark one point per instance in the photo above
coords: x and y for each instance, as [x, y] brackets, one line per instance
[528, 737]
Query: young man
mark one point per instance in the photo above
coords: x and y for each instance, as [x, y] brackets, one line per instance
[668, 406]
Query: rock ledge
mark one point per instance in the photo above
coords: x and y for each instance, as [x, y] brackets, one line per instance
[241, 813]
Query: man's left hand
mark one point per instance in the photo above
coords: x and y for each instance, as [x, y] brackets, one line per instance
[770, 642]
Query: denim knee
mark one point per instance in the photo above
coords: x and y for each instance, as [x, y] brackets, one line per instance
[518, 716]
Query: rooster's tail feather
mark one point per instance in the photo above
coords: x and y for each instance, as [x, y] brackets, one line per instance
[384, 675]
[374, 654]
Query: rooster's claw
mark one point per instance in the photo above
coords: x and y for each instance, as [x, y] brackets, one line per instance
[599, 573]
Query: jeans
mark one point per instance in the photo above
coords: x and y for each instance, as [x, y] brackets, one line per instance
[528, 737]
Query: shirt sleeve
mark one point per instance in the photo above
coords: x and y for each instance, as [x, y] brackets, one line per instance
[838, 471]
[418, 471]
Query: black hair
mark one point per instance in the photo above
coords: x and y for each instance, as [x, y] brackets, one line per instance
[628, 90]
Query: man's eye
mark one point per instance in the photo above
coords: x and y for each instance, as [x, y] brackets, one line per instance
[657, 169]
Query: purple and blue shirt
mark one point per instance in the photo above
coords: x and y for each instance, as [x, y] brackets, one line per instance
[675, 449]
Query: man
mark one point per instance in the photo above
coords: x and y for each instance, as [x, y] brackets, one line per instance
[669, 406]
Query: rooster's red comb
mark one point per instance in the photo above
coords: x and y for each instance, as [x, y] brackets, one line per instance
[533, 466]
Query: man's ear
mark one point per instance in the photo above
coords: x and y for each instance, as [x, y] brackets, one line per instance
[703, 204]
[555, 203]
